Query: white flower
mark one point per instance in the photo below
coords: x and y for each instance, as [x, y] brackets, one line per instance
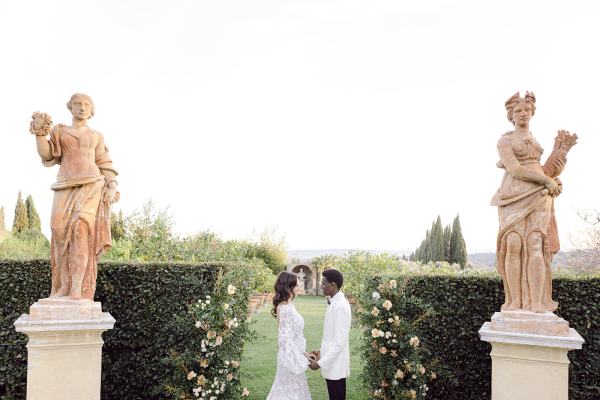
[198, 324]
[375, 332]
[390, 320]
[245, 392]
[414, 341]
[231, 289]
[225, 306]
[393, 284]
[387, 304]
[191, 375]
[388, 334]
[375, 311]
[376, 295]
[207, 301]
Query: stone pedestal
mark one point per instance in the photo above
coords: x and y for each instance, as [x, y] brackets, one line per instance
[529, 355]
[64, 352]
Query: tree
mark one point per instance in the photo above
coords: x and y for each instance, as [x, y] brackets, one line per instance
[447, 236]
[437, 241]
[272, 250]
[117, 226]
[2, 224]
[326, 261]
[585, 258]
[458, 248]
[20, 221]
[32, 215]
[150, 232]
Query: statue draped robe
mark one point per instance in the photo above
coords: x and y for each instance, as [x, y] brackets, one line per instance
[80, 221]
[524, 208]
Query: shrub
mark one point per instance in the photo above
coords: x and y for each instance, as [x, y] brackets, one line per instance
[463, 302]
[398, 365]
[216, 328]
[26, 245]
[143, 298]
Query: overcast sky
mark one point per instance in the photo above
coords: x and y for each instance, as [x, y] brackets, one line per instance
[343, 124]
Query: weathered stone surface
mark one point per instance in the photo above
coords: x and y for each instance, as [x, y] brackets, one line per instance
[530, 322]
[528, 235]
[84, 190]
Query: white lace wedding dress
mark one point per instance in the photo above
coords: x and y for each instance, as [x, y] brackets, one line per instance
[290, 378]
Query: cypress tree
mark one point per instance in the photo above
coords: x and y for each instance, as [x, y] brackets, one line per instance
[428, 249]
[437, 241]
[458, 248]
[117, 226]
[447, 234]
[32, 215]
[20, 222]
[2, 224]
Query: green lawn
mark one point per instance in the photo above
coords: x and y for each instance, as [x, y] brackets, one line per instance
[260, 357]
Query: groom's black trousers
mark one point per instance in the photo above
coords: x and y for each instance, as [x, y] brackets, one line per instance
[336, 389]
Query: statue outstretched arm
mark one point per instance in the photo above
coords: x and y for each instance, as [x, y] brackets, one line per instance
[555, 163]
[40, 126]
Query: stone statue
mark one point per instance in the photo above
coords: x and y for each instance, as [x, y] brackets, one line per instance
[84, 190]
[301, 276]
[528, 236]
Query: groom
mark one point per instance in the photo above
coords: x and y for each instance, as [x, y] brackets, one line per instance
[334, 356]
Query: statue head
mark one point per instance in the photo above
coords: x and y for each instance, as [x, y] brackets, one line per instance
[516, 99]
[83, 105]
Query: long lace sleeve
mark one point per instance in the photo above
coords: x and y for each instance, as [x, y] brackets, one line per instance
[292, 356]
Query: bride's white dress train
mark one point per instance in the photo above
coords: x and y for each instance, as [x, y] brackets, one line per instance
[290, 378]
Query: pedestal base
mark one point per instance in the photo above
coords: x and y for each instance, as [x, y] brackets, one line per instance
[527, 366]
[64, 358]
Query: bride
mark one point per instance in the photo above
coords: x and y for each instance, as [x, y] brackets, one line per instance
[292, 358]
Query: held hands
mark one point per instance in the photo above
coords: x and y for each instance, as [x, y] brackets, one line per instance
[313, 357]
[41, 124]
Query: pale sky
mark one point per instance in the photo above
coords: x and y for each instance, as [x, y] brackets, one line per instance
[344, 124]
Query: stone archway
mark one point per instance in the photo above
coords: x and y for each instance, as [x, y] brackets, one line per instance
[310, 286]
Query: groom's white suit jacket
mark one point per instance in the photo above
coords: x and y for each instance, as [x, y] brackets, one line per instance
[335, 345]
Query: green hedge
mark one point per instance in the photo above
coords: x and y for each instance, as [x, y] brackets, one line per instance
[463, 303]
[143, 298]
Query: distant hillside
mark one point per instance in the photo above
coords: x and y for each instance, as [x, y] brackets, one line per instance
[481, 260]
[305, 255]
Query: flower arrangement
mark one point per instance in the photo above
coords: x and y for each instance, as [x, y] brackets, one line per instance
[209, 368]
[397, 364]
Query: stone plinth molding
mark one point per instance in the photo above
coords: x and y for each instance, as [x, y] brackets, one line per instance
[64, 356]
[529, 366]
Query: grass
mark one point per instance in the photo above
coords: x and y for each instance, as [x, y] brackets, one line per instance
[260, 357]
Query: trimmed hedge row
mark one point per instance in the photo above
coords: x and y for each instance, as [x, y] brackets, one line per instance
[463, 303]
[143, 298]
